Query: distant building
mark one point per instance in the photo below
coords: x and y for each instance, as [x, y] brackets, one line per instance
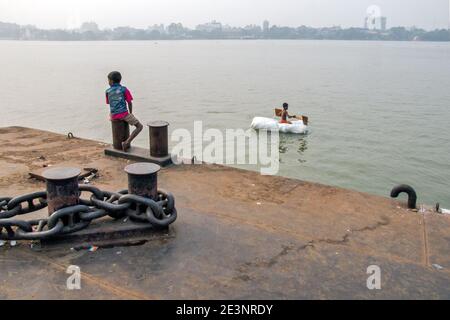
[383, 22]
[28, 32]
[266, 26]
[175, 29]
[375, 23]
[89, 27]
[227, 28]
[212, 26]
[252, 27]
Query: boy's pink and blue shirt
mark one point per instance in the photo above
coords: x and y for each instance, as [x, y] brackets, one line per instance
[126, 97]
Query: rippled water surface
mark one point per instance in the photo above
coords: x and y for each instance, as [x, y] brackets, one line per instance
[379, 111]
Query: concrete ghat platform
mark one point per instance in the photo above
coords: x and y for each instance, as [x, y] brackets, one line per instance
[239, 236]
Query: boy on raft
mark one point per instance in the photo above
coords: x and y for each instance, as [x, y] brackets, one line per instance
[120, 102]
[285, 114]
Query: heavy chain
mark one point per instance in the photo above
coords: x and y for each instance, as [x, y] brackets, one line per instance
[117, 205]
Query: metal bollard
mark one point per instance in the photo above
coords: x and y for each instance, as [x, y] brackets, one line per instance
[143, 179]
[120, 132]
[62, 188]
[159, 139]
[412, 195]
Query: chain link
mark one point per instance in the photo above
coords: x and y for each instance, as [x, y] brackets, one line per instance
[15, 206]
[117, 205]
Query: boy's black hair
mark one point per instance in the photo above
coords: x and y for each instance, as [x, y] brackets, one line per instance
[285, 105]
[115, 77]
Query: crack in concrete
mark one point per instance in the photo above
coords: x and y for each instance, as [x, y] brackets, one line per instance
[260, 263]
[346, 238]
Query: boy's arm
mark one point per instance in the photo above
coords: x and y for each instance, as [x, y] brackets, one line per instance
[129, 100]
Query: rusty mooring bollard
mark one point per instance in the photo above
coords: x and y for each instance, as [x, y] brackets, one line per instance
[159, 139]
[143, 179]
[62, 188]
[120, 132]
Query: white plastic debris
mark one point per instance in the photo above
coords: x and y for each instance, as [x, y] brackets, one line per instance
[438, 267]
[88, 180]
[13, 243]
[93, 249]
[441, 210]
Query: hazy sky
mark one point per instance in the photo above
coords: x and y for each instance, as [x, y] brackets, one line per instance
[428, 14]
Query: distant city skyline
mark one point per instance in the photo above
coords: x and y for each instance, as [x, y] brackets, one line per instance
[70, 14]
[375, 28]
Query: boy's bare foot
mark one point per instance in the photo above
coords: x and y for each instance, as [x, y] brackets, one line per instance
[125, 146]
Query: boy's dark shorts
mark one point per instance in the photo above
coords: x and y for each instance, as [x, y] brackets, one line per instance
[131, 120]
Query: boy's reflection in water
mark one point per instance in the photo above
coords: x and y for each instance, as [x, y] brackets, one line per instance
[294, 142]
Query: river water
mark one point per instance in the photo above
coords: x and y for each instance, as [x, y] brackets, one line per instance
[379, 111]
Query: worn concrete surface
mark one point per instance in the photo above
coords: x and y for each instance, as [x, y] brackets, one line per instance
[239, 235]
